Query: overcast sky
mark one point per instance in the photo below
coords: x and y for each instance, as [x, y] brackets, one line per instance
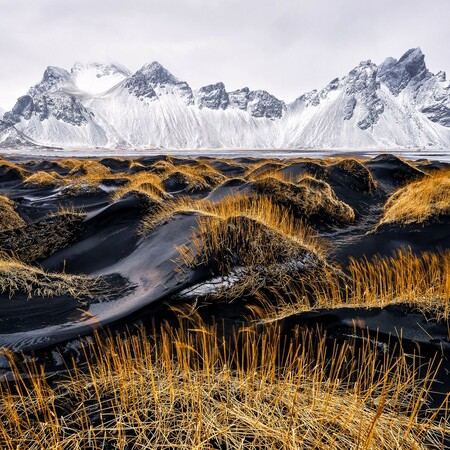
[287, 47]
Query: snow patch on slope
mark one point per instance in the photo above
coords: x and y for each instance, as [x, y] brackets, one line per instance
[97, 78]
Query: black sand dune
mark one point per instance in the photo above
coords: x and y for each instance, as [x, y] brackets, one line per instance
[147, 264]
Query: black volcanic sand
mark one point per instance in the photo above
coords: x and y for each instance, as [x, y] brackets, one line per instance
[140, 271]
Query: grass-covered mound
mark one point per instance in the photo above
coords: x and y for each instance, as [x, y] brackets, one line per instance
[17, 278]
[10, 171]
[42, 238]
[351, 173]
[142, 183]
[9, 219]
[311, 199]
[251, 243]
[421, 201]
[42, 178]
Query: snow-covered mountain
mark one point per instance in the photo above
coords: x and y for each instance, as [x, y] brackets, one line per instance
[396, 104]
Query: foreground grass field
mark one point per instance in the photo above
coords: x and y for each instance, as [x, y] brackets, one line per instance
[263, 241]
[190, 388]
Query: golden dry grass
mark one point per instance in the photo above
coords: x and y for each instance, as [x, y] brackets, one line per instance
[261, 210]
[41, 239]
[419, 201]
[6, 165]
[261, 169]
[419, 281]
[19, 278]
[195, 177]
[188, 388]
[85, 176]
[42, 178]
[144, 183]
[162, 166]
[9, 219]
[85, 168]
[308, 198]
[261, 246]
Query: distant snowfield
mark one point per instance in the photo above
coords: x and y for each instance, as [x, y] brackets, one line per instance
[50, 153]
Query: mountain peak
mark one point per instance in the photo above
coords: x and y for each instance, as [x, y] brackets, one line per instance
[413, 54]
[55, 72]
[152, 80]
[52, 79]
[212, 96]
[157, 74]
[154, 65]
[409, 69]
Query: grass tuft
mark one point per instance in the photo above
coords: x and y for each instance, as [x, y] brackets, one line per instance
[42, 178]
[9, 219]
[144, 183]
[38, 240]
[18, 278]
[419, 281]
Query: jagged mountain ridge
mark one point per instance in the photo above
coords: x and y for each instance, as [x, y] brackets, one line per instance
[398, 103]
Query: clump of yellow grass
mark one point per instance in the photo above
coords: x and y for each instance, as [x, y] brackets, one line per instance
[196, 177]
[9, 219]
[419, 281]
[309, 198]
[42, 178]
[144, 183]
[11, 167]
[419, 201]
[260, 209]
[252, 243]
[41, 239]
[31, 281]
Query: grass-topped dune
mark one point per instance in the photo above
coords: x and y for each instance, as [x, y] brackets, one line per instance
[190, 178]
[309, 198]
[9, 219]
[19, 279]
[251, 244]
[421, 201]
[349, 172]
[40, 239]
